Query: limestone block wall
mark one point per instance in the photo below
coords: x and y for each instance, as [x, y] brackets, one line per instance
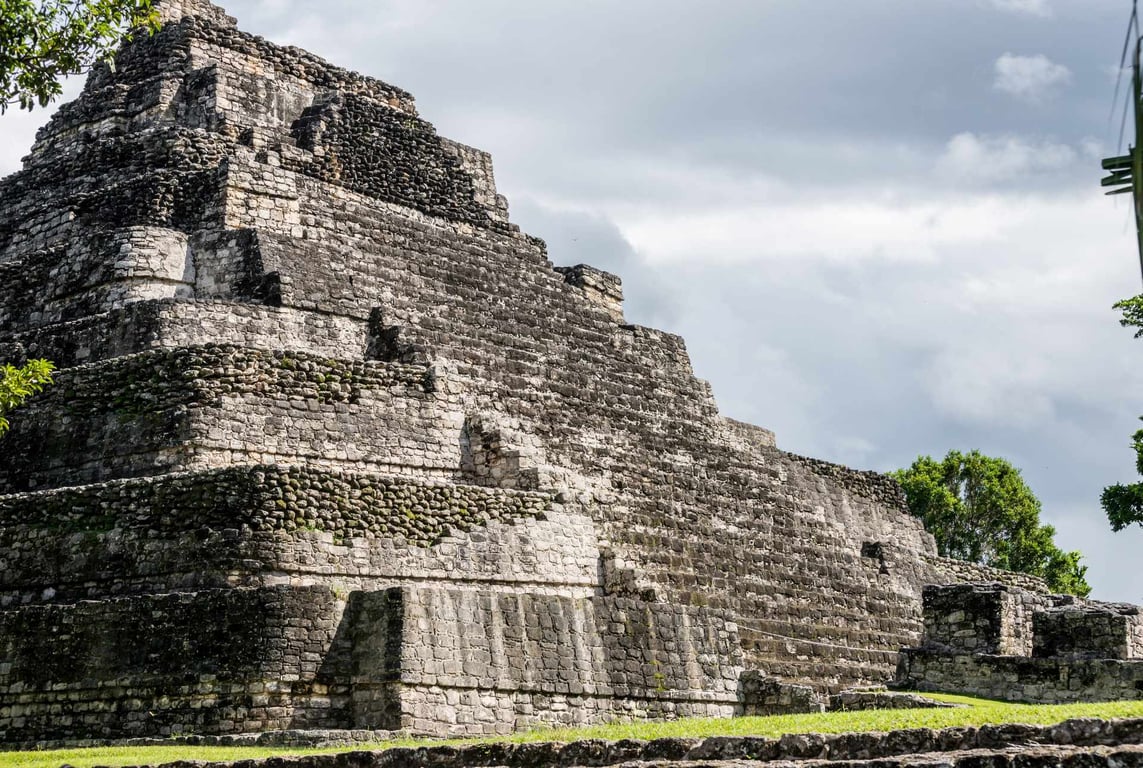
[96, 274]
[481, 662]
[981, 618]
[946, 571]
[1021, 678]
[639, 376]
[762, 696]
[171, 324]
[603, 288]
[1107, 631]
[198, 407]
[206, 662]
[437, 661]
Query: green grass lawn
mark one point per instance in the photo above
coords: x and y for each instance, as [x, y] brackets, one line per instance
[978, 712]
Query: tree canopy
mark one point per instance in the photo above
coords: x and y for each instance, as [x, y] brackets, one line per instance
[979, 509]
[44, 40]
[17, 384]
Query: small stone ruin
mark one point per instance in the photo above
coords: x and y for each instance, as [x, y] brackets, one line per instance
[1002, 642]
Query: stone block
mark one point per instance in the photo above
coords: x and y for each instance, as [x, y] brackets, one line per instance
[980, 618]
[1099, 631]
[762, 695]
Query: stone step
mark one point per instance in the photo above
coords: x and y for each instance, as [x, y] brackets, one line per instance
[1085, 742]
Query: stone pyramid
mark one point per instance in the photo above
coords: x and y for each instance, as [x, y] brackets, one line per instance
[335, 446]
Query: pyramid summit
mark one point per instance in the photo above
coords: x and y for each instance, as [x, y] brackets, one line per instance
[334, 445]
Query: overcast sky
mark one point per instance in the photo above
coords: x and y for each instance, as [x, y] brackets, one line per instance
[877, 223]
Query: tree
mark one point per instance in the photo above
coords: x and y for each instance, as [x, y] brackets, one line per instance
[44, 40]
[1123, 504]
[18, 384]
[979, 509]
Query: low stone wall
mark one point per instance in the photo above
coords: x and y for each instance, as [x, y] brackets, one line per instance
[1001, 642]
[762, 695]
[1016, 678]
[883, 699]
[1087, 742]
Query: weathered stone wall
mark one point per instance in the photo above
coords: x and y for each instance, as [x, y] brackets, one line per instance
[761, 696]
[981, 618]
[961, 571]
[1021, 678]
[198, 407]
[252, 525]
[173, 323]
[455, 662]
[1102, 631]
[218, 661]
[474, 662]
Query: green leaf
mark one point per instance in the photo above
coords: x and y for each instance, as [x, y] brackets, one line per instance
[17, 384]
[41, 43]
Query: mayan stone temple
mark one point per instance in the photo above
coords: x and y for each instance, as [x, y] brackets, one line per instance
[334, 445]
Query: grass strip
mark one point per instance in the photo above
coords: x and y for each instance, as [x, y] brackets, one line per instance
[976, 712]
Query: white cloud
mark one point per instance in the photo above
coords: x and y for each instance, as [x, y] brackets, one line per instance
[846, 230]
[20, 126]
[969, 157]
[1029, 77]
[1004, 298]
[1030, 7]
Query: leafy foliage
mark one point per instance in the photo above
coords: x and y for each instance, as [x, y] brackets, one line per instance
[979, 509]
[42, 41]
[1124, 503]
[1132, 310]
[18, 384]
